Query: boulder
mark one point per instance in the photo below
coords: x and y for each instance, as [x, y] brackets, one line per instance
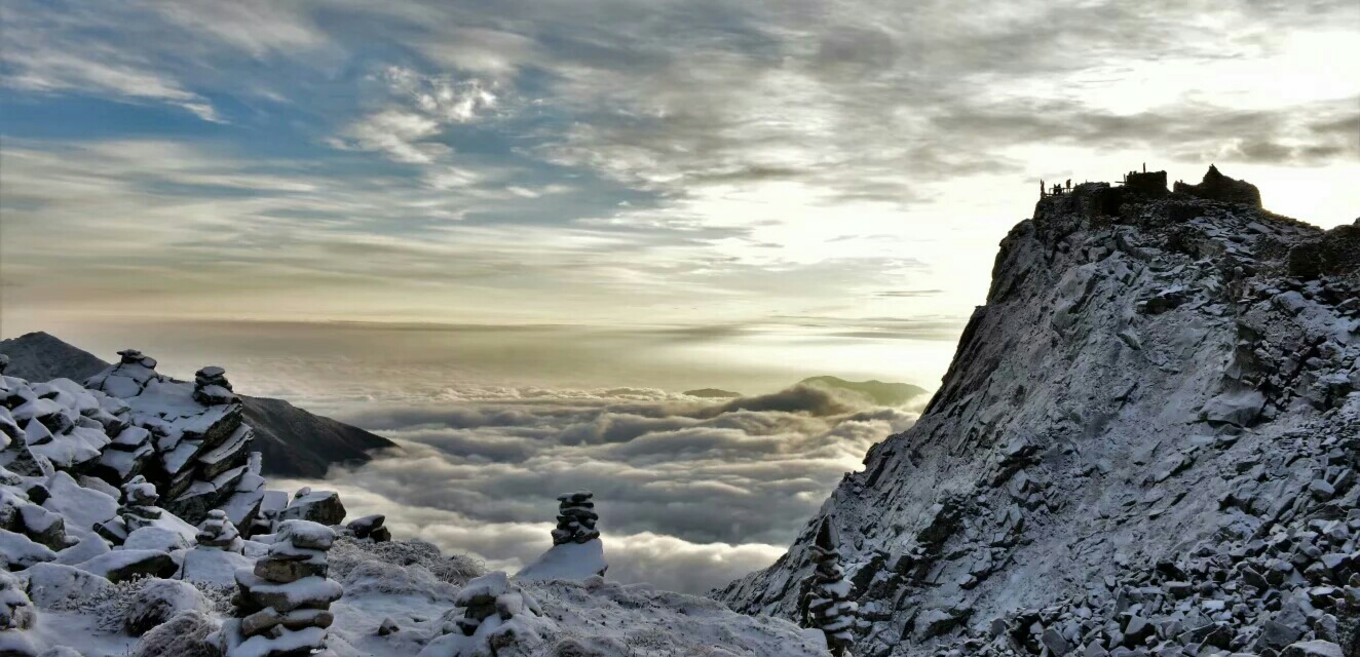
[122, 565]
[321, 507]
[158, 601]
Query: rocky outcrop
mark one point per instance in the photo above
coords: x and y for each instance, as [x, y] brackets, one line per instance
[200, 446]
[1217, 187]
[294, 443]
[1147, 384]
[1333, 253]
[41, 356]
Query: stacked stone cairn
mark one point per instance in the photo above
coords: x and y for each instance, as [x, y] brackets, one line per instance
[217, 531]
[576, 519]
[828, 604]
[138, 510]
[136, 357]
[200, 451]
[211, 386]
[17, 615]
[283, 602]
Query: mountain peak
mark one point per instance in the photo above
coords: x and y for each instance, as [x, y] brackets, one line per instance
[1156, 377]
[41, 356]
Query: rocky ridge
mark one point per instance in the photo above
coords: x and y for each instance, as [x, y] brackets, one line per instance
[293, 442]
[1146, 444]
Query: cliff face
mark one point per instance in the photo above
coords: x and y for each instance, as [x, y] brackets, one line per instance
[1147, 394]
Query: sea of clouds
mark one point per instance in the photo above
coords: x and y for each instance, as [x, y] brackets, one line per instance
[692, 492]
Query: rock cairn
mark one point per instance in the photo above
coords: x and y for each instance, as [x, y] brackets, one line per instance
[491, 614]
[136, 357]
[138, 510]
[17, 615]
[829, 607]
[576, 519]
[211, 386]
[283, 602]
[217, 531]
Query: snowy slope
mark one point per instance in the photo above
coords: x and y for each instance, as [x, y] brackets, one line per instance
[1159, 388]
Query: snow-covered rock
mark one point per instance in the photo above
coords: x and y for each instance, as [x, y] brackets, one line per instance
[574, 561]
[322, 507]
[491, 617]
[60, 587]
[122, 565]
[17, 617]
[159, 600]
[369, 527]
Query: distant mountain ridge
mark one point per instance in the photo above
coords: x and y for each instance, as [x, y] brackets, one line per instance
[879, 392]
[293, 442]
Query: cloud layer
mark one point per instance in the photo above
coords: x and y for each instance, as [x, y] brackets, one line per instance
[690, 494]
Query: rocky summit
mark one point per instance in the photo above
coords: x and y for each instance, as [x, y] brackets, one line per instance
[1146, 444]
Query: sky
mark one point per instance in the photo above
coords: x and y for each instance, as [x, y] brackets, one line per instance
[446, 208]
[726, 168]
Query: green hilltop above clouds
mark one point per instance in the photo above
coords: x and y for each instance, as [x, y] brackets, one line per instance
[879, 392]
[876, 392]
